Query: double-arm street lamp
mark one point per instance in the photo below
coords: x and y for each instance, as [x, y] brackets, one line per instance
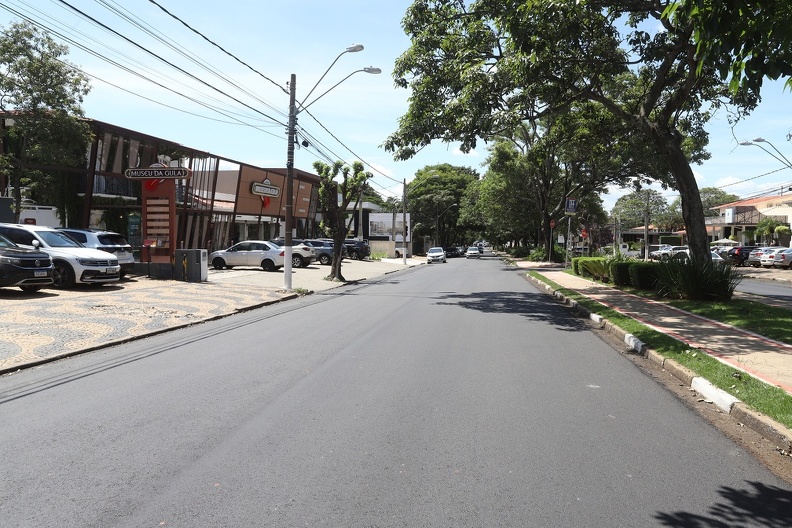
[756, 142]
[292, 125]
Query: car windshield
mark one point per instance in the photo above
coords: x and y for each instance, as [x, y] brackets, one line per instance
[473, 249]
[112, 239]
[435, 250]
[5, 243]
[57, 239]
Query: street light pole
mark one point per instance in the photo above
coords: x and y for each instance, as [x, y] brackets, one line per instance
[289, 220]
[404, 223]
[783, 159]
[291, 133]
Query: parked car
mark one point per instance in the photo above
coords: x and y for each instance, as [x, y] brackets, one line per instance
[755, 256]
[768, 257]
[253, 253]
[357, 249]
[660, 252]
[72, 263]
[436, 254]
[452, 252]
[324, 250]
[739, 255]
[667, 252]
[302, 254]
[783, 259]
[109, 241]
[472, 252]
[30, 269]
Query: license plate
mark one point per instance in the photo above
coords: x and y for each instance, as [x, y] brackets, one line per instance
[109, 270]
[39, 273]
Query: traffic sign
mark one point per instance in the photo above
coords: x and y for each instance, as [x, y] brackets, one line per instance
[158, 173]
[571, 206]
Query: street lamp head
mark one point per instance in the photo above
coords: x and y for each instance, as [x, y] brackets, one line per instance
[371, 69]
[354, 48]
[746, 143]
[760, 140]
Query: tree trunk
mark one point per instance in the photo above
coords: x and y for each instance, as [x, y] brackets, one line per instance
[670, 141]
[692, 208]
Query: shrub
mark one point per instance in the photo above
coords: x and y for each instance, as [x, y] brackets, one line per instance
[696, 280]
[595, 267]
[519, 252]
[538, 255]
[643, 275]
[620, 272]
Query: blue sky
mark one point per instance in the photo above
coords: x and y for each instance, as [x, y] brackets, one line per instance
[280, 37]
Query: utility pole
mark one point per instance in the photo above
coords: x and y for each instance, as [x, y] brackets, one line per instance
[287, 247]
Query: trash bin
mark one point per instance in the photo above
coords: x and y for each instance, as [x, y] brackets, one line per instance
[192, 265]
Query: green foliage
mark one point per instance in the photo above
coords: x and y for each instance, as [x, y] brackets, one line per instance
[620, 272]
[597, 268]
[44, 92]
[643, 275]
[340, 184]
[696, 280]
[519, 251]
[538, 255]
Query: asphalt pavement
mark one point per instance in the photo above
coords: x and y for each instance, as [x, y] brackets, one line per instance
[55, 324]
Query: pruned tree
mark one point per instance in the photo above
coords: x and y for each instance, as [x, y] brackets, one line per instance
[339, 186]
[40, 95]
[476, 70]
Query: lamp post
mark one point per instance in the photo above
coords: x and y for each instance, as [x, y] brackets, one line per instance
[292, 124]
[756, 143]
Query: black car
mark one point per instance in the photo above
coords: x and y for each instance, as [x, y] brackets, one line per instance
[30, 269]
[357, 249]
[739, 255]
[452, 252]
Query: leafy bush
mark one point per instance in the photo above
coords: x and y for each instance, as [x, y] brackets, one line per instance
[620, 271]
[519, 252]
[643, 275]
[696, 280]
[538, 255]
[595, 267]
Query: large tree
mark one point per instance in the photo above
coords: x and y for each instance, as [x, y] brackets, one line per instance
[339, 186]
[478, 69]
[42, 93]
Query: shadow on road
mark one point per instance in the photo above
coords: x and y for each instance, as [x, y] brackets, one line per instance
[761, 506]
[533, 306]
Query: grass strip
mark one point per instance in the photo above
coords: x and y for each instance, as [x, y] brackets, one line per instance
[762, 397]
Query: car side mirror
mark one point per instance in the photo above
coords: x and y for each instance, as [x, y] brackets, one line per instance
[36, 243]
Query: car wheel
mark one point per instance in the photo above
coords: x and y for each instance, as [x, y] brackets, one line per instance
[30, 289]
[325, 259]
[218, 263]
[297, 261]
[267, 265]
[354, 255]
[62, 275]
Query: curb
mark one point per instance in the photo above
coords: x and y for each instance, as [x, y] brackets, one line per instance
[768, 428]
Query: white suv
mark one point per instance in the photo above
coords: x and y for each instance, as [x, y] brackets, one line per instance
[72, 262]
[106, 241]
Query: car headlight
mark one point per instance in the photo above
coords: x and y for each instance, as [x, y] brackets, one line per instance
[11, 260]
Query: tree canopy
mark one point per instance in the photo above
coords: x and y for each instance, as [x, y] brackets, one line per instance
[478, 70]
[43, 93]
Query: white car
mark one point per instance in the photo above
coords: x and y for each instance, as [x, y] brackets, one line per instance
[72, 262]
[436, 254]
[302, 254]
[473, 252]
[250, 253]
[768, 257]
